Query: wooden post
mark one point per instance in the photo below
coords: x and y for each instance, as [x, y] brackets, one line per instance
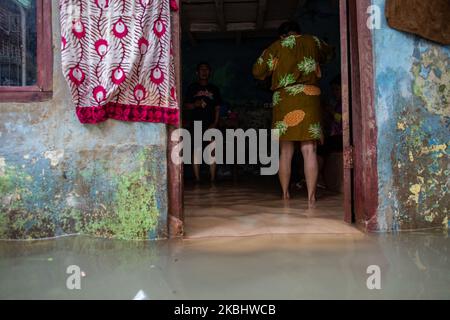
[175, 216]
[262, 5]
[360, 132]
[220, 15]
[369, 175]
[345, 85]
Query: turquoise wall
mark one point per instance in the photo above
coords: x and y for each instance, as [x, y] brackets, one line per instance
[60, 177]
[412, 86]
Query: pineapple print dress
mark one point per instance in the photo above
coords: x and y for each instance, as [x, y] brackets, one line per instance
[294, 64]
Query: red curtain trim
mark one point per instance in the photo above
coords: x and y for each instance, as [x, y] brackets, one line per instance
[132, 113]
[173, 5]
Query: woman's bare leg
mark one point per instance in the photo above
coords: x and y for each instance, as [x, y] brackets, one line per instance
[286, 154]
[309, 151]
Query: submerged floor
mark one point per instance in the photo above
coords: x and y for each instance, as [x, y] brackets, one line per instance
[312, 266]
[288, 252]
[255, 208]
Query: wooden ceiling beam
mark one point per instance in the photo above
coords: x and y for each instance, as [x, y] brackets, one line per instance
[220, 14]
[262, 7]
[231, 36]
[234, 26]
[186, 28]
[204, 27]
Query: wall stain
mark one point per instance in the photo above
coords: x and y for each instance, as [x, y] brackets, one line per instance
[60, 177]
[126, 206]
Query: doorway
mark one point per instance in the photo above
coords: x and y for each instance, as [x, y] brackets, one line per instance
[221, 32]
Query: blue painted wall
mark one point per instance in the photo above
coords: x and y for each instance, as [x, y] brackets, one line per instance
[412, 86]
[59, 177]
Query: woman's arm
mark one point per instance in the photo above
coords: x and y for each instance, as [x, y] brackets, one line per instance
[265, 64]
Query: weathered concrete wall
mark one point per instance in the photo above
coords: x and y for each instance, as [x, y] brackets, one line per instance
[413, 118]
[59, 177]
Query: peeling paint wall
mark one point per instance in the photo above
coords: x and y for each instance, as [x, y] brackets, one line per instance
[60, 177]
[413, 117]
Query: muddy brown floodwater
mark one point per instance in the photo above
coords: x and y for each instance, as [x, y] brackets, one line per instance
[313, 266]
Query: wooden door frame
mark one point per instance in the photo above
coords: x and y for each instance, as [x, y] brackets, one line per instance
[175, 184]
[360, 134]
[361, 107]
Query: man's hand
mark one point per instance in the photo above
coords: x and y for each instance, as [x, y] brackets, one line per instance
[200, 103]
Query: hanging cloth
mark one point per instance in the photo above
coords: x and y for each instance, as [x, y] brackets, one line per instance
[428, 19]
[117, 59]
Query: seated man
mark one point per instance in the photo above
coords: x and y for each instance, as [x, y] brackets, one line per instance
[203, 105]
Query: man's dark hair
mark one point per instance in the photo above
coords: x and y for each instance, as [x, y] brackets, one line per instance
[289, 26]
[203, 63]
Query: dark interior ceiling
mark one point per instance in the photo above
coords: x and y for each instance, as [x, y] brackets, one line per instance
[219, 19]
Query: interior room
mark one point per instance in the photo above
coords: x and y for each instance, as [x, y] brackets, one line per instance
[230, 36]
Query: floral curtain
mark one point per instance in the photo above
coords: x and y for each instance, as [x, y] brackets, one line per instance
[117, 59]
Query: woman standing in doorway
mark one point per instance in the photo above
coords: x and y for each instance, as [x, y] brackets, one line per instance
[294, 61]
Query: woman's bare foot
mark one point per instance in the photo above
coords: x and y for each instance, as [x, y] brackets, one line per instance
[312, 203]
[286, 196]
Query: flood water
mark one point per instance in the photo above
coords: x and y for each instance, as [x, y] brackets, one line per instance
[253, 208]
[308, 266]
